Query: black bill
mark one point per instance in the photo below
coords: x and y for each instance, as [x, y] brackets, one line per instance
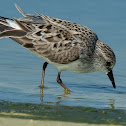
[110, 75]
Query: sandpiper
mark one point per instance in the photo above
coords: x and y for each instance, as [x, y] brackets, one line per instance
[63, 44]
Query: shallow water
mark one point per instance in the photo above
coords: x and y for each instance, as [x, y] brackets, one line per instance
[20, 71]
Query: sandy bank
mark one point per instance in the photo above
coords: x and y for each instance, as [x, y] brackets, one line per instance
[30, 122]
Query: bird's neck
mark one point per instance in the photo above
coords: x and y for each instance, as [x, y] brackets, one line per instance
[98, 55]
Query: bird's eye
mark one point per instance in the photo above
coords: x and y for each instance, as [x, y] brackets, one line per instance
[108, 63]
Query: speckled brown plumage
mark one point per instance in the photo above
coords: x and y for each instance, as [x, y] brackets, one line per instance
[64, 44]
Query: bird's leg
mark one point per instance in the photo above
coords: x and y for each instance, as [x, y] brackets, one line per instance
[41, 94]
[61, 83]
[43, 74]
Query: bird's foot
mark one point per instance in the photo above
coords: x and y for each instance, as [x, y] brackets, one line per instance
[41, 86]
[67, 91]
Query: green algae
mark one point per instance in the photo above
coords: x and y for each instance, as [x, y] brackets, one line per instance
[62, 113]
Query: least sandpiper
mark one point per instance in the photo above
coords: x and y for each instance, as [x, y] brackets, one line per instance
[63, 44]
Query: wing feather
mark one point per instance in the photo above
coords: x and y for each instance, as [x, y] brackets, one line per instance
[57, 40]
[52, 41]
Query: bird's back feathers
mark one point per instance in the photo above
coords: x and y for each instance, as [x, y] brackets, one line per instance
[57, 40]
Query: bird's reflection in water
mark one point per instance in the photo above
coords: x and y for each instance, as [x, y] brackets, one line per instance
[65, 94]
[112, 103]
[41, 94]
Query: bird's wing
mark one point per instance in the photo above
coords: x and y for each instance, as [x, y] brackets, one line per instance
[57, 40]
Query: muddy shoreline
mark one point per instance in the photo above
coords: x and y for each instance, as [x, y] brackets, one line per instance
[63, 114]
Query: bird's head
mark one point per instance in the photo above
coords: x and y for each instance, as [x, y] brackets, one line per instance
[105, 60]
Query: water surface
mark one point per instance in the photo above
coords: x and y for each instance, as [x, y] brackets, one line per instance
[20, 71]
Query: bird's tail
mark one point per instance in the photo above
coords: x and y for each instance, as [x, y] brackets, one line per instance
[12, 28]
[17, 29]
[9, 24]
[4, 24]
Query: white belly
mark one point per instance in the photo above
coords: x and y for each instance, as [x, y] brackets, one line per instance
[75, 66]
